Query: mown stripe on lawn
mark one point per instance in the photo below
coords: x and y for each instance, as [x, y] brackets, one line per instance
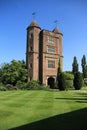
[23, 107]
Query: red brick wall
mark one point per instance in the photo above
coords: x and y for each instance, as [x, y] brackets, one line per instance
[40, 56]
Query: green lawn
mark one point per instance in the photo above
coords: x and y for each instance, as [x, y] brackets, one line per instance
[43, 110]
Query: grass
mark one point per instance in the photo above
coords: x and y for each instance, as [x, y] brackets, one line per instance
[40, 109]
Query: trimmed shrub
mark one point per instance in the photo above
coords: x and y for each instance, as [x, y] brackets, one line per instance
[69, 84]
[69, 76]
[69, 80]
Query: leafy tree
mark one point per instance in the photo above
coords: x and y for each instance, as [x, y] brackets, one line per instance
[13, 72]
[74, 65]
[77, 80]
[84, 66]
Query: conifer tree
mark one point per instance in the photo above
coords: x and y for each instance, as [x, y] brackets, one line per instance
[77, 81]
[59, 67]
[84, 66]
[74, 65]
[62, 82]
[58, 72]
[60, 77]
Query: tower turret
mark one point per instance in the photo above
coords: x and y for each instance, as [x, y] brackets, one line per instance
[32, 53]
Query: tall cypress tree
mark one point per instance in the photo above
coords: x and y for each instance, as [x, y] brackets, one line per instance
[60, 77]
[62, 82]
[77, 82]
[84, 66]
[59, 67]
[74, 65]
[59, 71]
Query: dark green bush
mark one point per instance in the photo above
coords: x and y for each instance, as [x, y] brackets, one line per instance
[21, 85]
[61, 82]
[69, 76]
[2, 87]
[69, 80]
[69, 84]
[10, 87]
[78, 81]
[33, 85]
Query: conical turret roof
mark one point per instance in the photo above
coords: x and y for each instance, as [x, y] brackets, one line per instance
[34, 24]
[56, 30]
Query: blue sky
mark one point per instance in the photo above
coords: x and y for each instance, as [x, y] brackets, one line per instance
[16, 15]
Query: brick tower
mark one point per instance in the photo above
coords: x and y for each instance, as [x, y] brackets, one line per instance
[32, 50]
[44, 48]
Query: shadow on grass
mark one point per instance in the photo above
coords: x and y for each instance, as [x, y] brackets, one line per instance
[82, 99]
[75, 120]
[72, 98]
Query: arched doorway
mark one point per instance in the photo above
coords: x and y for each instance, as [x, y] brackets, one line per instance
[51, 82]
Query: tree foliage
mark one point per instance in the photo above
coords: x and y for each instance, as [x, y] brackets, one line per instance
[69, 76]
[11, 73]
[59, 71]
[74, 65]
[84, 66]
[61, 81]
[60, 78]
[32, 85]
[59, 67]
[77, 80]
[69, 80]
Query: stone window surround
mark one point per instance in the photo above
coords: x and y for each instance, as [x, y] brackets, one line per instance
[51, 64]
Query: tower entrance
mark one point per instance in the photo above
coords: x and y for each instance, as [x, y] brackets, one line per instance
[51, 82]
